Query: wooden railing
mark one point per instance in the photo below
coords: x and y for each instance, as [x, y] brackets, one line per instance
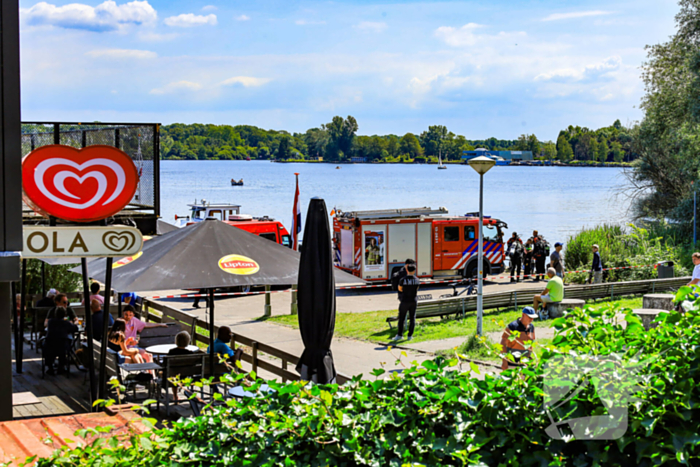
[260, 353]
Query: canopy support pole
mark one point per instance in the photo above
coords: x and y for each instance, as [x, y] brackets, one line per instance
[212, 354]
[105, 330]
[295, 303]
[43, 279]
[19, 342]
[268, 304]
[88, 330]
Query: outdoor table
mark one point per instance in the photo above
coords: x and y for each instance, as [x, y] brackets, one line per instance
[163, 349]
[239, 392]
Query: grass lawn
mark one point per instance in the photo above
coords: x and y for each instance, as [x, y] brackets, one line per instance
[372, 326]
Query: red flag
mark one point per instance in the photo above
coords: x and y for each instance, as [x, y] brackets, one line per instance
[296, 218]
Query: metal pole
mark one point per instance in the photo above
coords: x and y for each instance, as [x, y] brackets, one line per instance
[43, 279]
[212, 355]
[105, 329]
[88, 330]
[268, 304]
[19, 343]
[6, 300]
[480, 263]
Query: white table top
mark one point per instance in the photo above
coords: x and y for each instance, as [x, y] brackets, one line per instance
[163, 349]
[238, 391]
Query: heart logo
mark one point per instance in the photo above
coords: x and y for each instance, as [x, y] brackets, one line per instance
[118, 241]
[80, 185]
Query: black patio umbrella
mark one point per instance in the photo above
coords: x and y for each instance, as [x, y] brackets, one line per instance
[207, 255]
[316, 297]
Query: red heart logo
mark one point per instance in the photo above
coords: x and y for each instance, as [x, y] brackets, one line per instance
[79, 185]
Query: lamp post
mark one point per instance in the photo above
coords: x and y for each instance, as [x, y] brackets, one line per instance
[481, 165]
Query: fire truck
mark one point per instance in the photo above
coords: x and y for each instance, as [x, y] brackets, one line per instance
[374, 245]
[264, 227]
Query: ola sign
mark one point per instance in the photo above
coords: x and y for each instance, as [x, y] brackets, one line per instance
[79, 185]
[51, 242]
[240, 265]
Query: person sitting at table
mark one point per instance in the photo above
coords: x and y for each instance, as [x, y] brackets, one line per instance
[95, 293]
[182, 340]
[221, 342]
[58, 341]
[98, 319]
[61, 300]
[135, 325]
[131, 355]
[120, 325]
[47, 301]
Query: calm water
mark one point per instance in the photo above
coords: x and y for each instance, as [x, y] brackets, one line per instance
[555, 200]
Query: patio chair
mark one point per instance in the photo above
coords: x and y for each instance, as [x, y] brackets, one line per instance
[158, 336]
[129, 375]
[183, 366]
[40, 345]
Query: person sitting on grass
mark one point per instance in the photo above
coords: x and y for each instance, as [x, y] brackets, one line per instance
[553, 293]
[526, 332]
[182, 340]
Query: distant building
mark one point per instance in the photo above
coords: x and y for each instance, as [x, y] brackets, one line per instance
[505, 155]
[358, 159]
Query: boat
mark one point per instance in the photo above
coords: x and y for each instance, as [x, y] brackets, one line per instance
[236, 183]
[337, 166]
[206, 210]
[440, 165]
[499, 160]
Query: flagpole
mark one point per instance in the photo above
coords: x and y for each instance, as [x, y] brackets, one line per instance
[296, 217]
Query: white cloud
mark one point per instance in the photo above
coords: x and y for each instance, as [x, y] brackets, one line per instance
[246, 81]
[121, 54]
[107, 16]
[371, 26]
[242, 18]
[304, 22]
[575, 14]
[177, 86]
[458, 37]
[150, 36]
[188, 20]
[588, 72]
[209, 8]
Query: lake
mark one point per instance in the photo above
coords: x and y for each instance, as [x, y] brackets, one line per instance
[557, 201]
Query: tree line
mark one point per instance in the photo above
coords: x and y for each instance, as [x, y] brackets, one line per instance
[338, 141]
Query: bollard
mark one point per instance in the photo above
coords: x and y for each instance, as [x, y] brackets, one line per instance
[295, 304]
[268, 306]
[515, 299]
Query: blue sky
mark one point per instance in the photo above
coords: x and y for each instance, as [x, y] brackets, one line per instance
[496, 68]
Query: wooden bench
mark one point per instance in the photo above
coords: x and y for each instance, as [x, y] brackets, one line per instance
[429, 308]
[159, 336]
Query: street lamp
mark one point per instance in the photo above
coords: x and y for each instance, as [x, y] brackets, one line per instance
[481, 164]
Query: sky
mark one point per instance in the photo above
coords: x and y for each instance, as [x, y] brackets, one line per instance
[497, 68]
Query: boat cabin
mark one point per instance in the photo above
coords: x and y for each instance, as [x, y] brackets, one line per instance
[204, 210]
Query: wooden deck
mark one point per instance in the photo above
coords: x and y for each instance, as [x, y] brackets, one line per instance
[58, 395]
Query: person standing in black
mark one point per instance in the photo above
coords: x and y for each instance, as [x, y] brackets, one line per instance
[400, 274]
[58, 340]
[408, 291]
[515, 253]
[539, 254]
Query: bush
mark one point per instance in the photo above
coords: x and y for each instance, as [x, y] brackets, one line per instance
[620, 247]
[439, 413]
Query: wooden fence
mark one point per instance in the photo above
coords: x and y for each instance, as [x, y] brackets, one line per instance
[258, 358]
[522, 297]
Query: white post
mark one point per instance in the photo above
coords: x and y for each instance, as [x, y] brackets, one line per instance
[480, 263]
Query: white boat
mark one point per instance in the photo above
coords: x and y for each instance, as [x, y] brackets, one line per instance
[205, 210]
[440, 165]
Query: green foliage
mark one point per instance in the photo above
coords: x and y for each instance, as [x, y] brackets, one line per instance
[564, 149]
[57, 277]
[442, 413]
[620, 247]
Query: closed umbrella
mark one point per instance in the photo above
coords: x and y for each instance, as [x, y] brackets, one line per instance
[316, 297]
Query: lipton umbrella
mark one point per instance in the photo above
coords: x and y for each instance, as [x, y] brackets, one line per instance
[207, 255]
[316, 297]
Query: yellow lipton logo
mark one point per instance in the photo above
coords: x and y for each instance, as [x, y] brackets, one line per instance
[237, 264]
[127, 260]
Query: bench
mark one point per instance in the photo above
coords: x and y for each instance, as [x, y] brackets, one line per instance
[159, 336]
[429, 308]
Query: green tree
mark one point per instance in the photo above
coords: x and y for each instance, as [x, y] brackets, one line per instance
[533, 145]
[602, 151]
[564, 151]
[618, 154]
[410, 145]
[284, 150]
[434, 139]
[550, 150]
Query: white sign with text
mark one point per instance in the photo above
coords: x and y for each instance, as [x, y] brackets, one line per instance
[81, 242]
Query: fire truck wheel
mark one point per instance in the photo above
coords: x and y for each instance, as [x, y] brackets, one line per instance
[470, 271]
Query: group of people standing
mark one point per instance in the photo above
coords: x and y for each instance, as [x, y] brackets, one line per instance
[530, 257]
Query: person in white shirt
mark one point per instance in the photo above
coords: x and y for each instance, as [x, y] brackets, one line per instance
[696, 271]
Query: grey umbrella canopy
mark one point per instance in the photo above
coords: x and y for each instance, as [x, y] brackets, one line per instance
[208, 254]
[316, 297]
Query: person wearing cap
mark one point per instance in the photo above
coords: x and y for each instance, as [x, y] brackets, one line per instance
[597, 267]
[556, 259]
[525, 332]
[515, 253]
[553, 293]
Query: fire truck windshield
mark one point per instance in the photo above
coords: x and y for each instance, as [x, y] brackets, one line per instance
[490, 233]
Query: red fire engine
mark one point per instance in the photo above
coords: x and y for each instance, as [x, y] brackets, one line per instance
[264, 227]
[374, 245]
